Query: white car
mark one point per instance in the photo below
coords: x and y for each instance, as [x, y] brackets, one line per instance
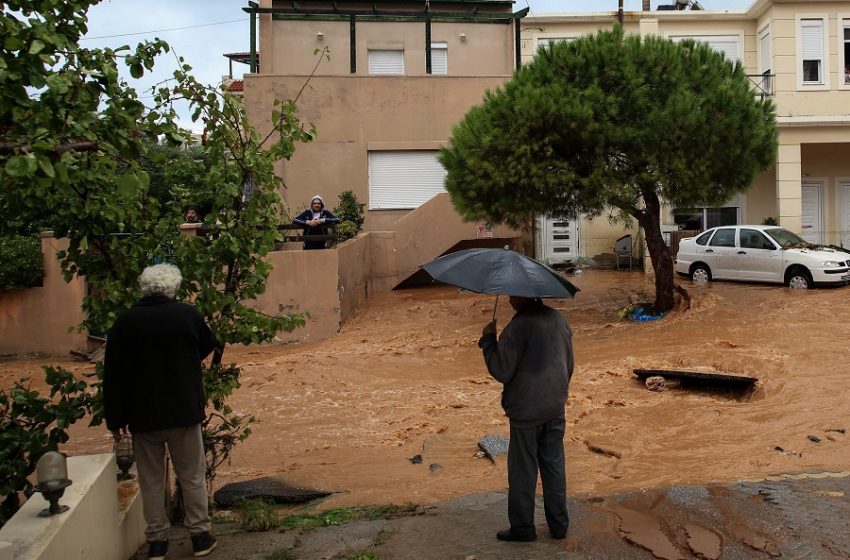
[761, 254]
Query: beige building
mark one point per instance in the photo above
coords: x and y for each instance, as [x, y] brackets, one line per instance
[395, 79]
[797, 52]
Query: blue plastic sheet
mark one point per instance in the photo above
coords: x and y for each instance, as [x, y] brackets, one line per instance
[639, 315]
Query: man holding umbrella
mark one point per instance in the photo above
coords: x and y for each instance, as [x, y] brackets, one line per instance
[533, 359]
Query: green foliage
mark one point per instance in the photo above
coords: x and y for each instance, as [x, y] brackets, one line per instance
[364, 555]
[256, 515]
[31, 425]
[21, 262]
[282, 554]
[341, 516]
[612, 123]
[769, 221]
[77, 145]
[350, 214]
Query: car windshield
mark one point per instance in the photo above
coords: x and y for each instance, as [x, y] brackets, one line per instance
[784, 237]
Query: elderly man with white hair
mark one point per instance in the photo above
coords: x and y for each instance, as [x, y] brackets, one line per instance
[153, 386]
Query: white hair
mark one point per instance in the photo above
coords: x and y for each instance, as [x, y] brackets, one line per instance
[162, 279]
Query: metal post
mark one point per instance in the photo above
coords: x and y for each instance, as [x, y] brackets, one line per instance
[352, 41]
[253, 40]
[620, 13]
[428, 44]
[517, 29]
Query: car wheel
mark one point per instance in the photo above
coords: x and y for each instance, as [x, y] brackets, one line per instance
[800, 279]
[701, 273]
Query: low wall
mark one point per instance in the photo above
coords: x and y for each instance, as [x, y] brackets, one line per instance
[37, 320]
[304, 281]
[94, 527]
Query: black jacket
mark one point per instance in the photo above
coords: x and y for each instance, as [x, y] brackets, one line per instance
[152, 378]
[534, 360]
[321, 229]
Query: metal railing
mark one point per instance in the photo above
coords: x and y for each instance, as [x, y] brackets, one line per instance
[762, 84]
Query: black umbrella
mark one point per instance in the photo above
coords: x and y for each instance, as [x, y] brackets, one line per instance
[500, 272]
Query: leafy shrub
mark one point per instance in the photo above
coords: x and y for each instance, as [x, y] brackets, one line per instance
[21, 263]
[350, 214]
[769, 221]
[256, 515]
[31, 425]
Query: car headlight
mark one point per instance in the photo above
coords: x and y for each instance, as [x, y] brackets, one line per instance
[832, 264]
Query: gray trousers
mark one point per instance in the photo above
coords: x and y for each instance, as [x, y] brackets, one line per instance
[186, 448]
[530, 449]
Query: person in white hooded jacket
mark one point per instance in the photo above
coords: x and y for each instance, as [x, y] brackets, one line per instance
[315, 221]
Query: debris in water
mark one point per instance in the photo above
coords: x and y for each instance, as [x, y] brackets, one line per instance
[658, 383]
[839, 430]
[698, 378]
[435, 467]
[493, 446]
[416, 459]
[815, 439]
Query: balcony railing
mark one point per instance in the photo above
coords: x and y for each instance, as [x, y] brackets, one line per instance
[762, 84]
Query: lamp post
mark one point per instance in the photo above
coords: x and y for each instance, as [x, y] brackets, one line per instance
[52, 475]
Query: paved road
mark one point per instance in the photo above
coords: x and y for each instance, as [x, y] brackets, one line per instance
[800, 516]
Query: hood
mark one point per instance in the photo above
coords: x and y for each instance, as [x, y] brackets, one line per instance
[319, 198]
[821, 252]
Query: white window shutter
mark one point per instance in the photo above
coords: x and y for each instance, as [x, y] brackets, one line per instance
[726, 44]
[404, 179]
[811, 32]
[386, 62]
[764, 48]
[439, 59]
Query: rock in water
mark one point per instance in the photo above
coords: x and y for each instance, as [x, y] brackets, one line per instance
[493, 445]
[266, 488]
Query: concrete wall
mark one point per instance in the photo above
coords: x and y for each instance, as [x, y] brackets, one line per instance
[96, 526]
[36, 320]
[304, 282]
[354, 115]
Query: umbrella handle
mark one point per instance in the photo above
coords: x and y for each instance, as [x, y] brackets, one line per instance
[495, 307]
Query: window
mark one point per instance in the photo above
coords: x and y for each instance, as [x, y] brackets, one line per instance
[704, 218]
[723, 238]
[754, 239]
[386, 62]
[844, 50]
[811, 51]
[543, 41]
[404, 179]
[703, 239]
[440, 58]
[765, 62]
[726, 44]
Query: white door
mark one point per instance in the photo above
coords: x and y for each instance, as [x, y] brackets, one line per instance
[559, 241]
[812, 226]
[844, 219]
[721, 254]
[759, 258]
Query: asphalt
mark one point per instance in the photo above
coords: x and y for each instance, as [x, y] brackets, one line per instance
[791, 516]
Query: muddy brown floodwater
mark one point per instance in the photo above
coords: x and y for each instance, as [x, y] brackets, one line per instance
[406, 377]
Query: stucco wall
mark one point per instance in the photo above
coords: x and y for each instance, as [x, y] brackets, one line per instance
[304, 281]
[36, 320]
[354, 115]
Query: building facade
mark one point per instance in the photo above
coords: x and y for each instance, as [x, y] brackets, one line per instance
[797, 52]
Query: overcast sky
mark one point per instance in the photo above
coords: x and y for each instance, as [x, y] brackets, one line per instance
[201, 31]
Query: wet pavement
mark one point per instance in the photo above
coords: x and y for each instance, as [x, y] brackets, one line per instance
[793, 516]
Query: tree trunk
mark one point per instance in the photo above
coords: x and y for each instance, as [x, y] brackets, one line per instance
[659, 252]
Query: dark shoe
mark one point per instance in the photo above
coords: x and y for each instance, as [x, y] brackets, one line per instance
[509, 535]
[203, 544]
[157, 550]
[559, 535]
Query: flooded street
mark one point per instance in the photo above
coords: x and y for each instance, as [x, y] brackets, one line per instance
[406, 377]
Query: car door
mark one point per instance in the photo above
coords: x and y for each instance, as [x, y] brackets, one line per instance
[759, 257]
[722, 253]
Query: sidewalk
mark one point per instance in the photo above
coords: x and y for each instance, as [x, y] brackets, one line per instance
[802, 516]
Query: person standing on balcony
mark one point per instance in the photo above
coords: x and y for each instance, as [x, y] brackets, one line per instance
[315, 221]
[533, 359]
[153, 387]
